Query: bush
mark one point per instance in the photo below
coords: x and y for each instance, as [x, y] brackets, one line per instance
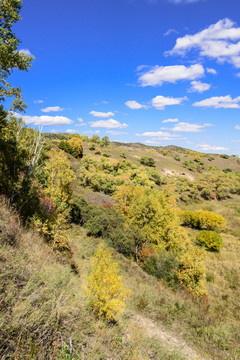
[148, 161]
[107, 223]
[210, 240]
[123, 154]
[163, 266]
[203, 219]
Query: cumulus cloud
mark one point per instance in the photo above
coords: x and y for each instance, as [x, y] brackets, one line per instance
[44, 119]
[198, 86]
[220, 41]
[26, 52]
[188, 127]
[208, 147]
[211, 71]
[237, 127]
[170, 121]
[157, 75]
[132, 104]
[108, 124]
[160, 102]
[101, 114]
[218, 102]
[52, 109]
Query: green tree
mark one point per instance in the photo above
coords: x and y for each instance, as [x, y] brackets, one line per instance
[10, 57]
[18, 156]
[105, 141]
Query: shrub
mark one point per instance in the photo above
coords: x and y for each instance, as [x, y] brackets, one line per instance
[210, 221]
[203, 219]
[148, 161]
[224, 156]
[107, 223]
[105, 291]
[177, 157]
[210, 240]
[92, 147]
[163, 266]
[123, 154]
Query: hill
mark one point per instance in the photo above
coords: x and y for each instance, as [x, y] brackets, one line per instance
[44, 310]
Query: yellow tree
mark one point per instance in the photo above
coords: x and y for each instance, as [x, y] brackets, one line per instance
[60, 177]
[77, 146]
[105, 291]
[158, 218]
[58, 189]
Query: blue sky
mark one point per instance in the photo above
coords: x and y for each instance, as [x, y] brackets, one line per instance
[158, 72]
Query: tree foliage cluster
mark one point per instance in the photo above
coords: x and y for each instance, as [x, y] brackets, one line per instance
[106, 293]
[108, 224]
[214, 184]
[107, 175]
[157, 217]
[72, 146]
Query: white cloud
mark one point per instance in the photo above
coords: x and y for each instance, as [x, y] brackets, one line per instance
[170, 121]
[237, 127]
[211, 71]
[38, 101]
[170, 31]
[101, 114]
[52, 109]
[158, 135]
[108, 124]
[238, 75]
[218, 102]
[44, 119]
[159, 102]
[70, 131]
[220, 41]
[26, 52]
[157, 75]
[188, 127]
[207, 147]
[132, 104]
[198, 86]
[112, 132]
[82, 124]
[80, 119]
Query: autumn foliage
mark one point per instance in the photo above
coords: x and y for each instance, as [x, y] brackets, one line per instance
[105, 291]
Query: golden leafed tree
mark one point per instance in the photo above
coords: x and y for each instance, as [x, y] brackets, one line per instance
[105, 291]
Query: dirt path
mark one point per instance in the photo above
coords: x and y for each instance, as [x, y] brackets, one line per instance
[154, 330]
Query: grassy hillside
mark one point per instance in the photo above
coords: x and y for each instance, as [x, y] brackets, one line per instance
[44, 312]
